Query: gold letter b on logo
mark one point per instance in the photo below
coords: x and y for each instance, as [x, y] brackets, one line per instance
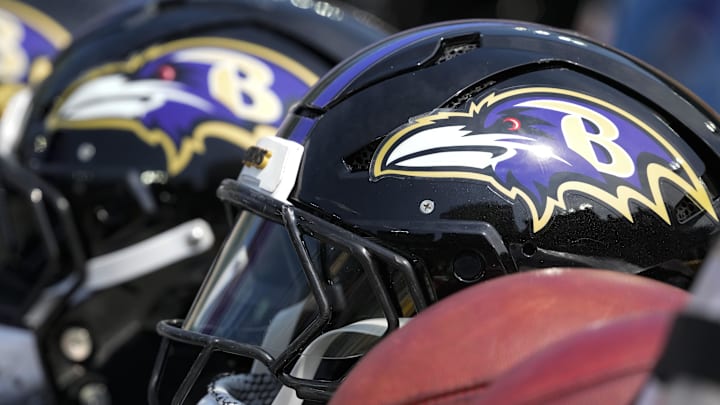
[581, 141]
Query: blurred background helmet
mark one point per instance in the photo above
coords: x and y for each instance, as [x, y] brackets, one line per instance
[109, 219]
[29, 39]
[439, 158]
[32, 33]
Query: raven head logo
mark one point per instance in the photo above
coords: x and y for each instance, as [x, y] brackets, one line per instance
[178, 94]
[29, 39]
[538, 144]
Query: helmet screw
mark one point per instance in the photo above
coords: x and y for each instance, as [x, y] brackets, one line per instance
[76, 344]
[427, 206]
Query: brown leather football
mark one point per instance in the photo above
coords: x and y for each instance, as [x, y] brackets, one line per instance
[467, 340]
[605, 365]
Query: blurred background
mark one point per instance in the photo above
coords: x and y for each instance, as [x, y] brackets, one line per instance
[680, 37]
[408, 13]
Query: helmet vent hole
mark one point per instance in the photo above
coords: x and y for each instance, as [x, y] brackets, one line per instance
[451, 52]
[529, 249]
[451, 48]
[469, 267]
[360, 159]
[686, 209]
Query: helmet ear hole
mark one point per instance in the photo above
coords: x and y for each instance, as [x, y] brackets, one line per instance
[529, 249]
[469, 267]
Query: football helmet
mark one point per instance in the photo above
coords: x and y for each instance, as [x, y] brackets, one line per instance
[109, 219]
[32, 32]
[29, 39]
[438, 158]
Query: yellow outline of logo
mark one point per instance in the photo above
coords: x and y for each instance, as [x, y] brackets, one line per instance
[55, 33]
[194, 144]
[620, 201]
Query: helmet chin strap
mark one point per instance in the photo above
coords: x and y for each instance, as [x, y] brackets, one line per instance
[252, 389]
[181, 242]
[171, 246]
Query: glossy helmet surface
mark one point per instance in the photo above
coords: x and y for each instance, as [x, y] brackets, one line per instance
[441, 157]
[109, 215]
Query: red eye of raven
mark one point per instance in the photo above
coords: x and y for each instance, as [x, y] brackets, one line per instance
[167, 72]
[514, 123]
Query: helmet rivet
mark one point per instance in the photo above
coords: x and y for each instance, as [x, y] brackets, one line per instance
[62, 204]
[427, 206]
[85, 152]
[101, 214]
[76, 344]
[36, 195]
[196, 235]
